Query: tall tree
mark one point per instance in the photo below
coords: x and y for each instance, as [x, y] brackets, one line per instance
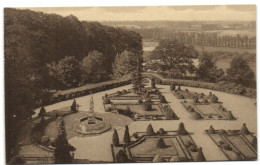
[176, 55]
[241, 73]
[127, 135]
[115, 138]
[137, 79]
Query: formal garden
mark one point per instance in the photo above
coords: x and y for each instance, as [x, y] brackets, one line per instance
[145, 104]
[201, 106]
[156, 146]
[235, 144]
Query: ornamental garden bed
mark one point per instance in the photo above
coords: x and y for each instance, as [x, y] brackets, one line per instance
[186, 94]
[207, 108]
[235, 144]
[163, 146]
[152, 106]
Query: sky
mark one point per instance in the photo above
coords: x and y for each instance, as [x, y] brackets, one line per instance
[173, 13]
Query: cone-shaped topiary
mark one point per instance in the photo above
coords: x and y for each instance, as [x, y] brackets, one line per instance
[153, 83]
[42, 112]
[74, 106]
[172, 87]
[147, 106]
[179, 88]
[157, 158]
[180, 96]
[115, 138]
[196, 116]
[161, 131]
[211, 130]
[163, 100]
[229, 115]
[121, 157]
[127, 139]
[182, 130]
[214, 98]
[244, 130]
[196, 99]
[254, 142]
[160, 143]
[200, 157]
[149, 130]
[106, 100]
[140, 101]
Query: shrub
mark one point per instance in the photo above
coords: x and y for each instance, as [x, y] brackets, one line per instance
[108, 109]
[149, 130]
[124, 91]
[147, 106]
[153, 83]
[172, 87]
[42, 112]
[221, 142]
[74, 106]
[184, 101]
[186, 90]
[210, 94]
[119, 93]
[226, 147]
[53, 142]
[106, 100]
[127, 135]
[160, 143]
[187, 143]
[196, 99]
[229, 115]
[222, 131]
[169, 114]
[196, 116]
[115, 138]
[200, 157]
[214, 99]
[45, 140]
[140, 101]
[163, 100]
[244, 130]
[211, 130]
[193, 148]
[121, 157]
[161, 131]
[181, 129]
[179, 88]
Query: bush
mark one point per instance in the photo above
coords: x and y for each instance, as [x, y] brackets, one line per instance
[149, 130]
[211, 130]
[205, 101]
[179, 88]
[115, 138]
[222, 131]
[186, 90]
[169, 114]
[182, 130]
[200, 157]
[74, 106]
[108, 109]
[163, 100]
[214, 99]
[140, 101]
[196, 99]
[196, 116]
[244, 130]
[42, 112]
[160, 143]
[172, 87]
[106, 100]
[227, 147]
[45, 140]
[147, 106]
[193, 148]
[161, 131]
[187, 143]
[121, 157]
[119, 93]
[180, 96]
[53, 142]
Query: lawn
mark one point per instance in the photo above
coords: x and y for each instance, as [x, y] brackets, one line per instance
[138, 108]
[148, 148]
[206, 109]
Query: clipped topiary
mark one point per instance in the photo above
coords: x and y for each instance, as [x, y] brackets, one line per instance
[211, 130]
[73, 107]
[182, 130]
[115, 139]
[161, 131]
[200, 157]
[163, 100]
[147, 106]
[187, 143]
[179, 88]
[186, 90]
[193, 148]
[157, 158]
[108, 109]
[140, 101]
[210, 94]
[172, 87]
[160, 143]
[149, 130]
[222, 131]
[53, 142]
[196, 99]
[226, 147]
[229, 115]
[121, 157]
[127, 139]
[106, 100]
[180, 96]
[42, 112]
[205, 101]
[45, 140]
[196, 116]
[214, 99]
[244, 130]
[153, 83]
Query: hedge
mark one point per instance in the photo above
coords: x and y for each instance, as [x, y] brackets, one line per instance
[221, 86]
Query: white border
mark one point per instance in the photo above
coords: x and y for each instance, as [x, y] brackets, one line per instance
[75, 3]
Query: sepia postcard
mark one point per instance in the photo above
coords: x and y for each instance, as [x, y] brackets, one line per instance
[130, 84]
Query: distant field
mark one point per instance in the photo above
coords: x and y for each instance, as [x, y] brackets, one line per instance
[149, 45]
[224, 49]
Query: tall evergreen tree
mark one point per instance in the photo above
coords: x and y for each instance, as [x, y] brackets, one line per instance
[127, 135]
[115, 138]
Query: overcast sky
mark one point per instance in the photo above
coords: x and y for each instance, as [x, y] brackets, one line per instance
[174, 13]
